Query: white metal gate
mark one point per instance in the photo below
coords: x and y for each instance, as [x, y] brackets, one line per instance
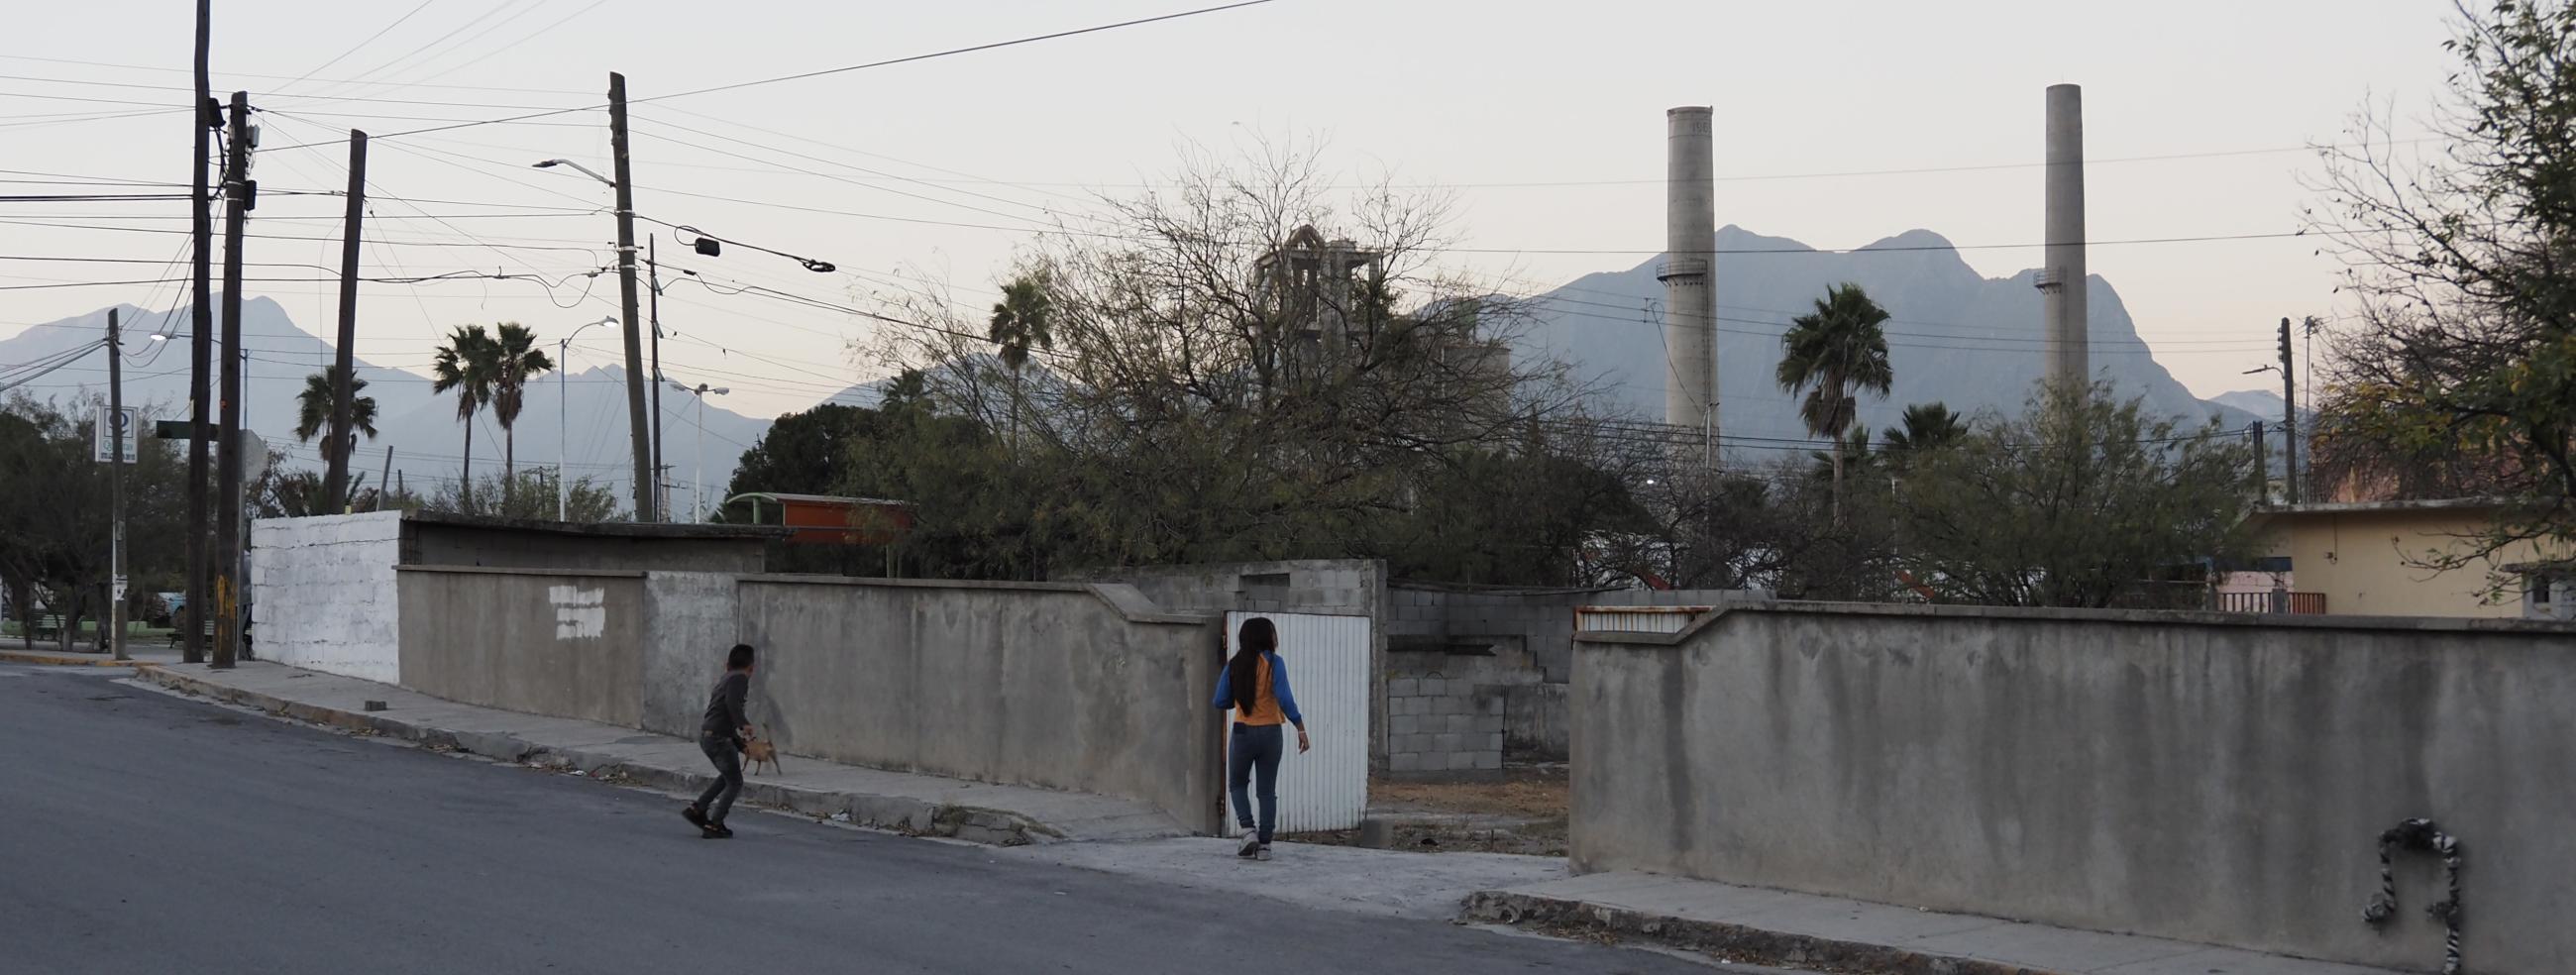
[1327, 658]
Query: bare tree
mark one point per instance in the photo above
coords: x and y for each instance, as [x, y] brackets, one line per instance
[2463, 263]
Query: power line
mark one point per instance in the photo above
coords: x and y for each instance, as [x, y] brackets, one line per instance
[460, 124]
[996, 45]
[354, 48]
[275, 77]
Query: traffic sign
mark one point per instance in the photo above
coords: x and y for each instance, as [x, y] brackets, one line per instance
[126, 424]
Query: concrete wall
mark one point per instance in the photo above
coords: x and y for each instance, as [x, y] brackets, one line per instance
[690, 623]
[322, 593]
[510, 547]
[1081, 687]
[1331, 587]
[567, 644]
[2208, 777]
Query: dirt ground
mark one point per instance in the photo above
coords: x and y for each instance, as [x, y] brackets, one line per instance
[1524, 813]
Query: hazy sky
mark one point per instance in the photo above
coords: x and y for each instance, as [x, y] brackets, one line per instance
[1467, 94]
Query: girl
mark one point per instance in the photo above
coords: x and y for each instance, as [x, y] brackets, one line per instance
[1255, 686]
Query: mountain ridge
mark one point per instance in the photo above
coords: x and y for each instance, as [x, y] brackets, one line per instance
[1955, 336]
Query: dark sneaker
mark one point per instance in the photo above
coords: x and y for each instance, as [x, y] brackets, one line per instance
[1251, 842]
[695, 818]
[721, 832]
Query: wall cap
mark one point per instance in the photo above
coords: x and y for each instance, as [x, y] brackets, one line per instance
[2149, 617]
[1126, 599]
[499, 571]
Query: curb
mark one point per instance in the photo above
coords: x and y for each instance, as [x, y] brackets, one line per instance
[58, 660]
[1734, 942]
[911, 817]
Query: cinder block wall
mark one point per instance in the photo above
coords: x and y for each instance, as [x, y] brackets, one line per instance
[1439, 727]
[323, 595]
[2207, 777]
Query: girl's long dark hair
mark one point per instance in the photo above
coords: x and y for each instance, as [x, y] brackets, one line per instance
[1243, 673]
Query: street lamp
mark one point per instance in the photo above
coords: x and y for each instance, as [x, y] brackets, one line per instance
[585, 170]
[563, 417]
[698, 477]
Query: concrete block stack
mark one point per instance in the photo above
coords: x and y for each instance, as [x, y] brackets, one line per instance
[1439, 727]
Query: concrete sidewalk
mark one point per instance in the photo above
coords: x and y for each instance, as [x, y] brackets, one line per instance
[925, 805]
[1772, 927]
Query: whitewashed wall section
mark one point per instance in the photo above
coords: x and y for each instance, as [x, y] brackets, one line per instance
[322, 593]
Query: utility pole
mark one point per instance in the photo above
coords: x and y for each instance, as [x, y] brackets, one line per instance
[644, 475]
[654, 268]
[116, 488]
[2289, 421]
[383, 488]
[228, 459]
[201, 339]
[335, 453]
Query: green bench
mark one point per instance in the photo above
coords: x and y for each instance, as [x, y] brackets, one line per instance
[49, 626]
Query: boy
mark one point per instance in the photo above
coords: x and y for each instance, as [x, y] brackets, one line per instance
[722, 736]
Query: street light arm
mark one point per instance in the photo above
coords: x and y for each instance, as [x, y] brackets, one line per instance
[585, 170]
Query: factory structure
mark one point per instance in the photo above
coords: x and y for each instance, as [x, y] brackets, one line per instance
[1691, 401]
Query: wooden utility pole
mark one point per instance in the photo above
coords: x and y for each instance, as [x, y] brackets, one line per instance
[2289, 421]
[653, 319]
[116, 488]
[384, 487]
[228, 459]
[335, 483]
[637, 428]
[201, 338]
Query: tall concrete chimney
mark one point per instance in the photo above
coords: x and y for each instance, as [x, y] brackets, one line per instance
[1690, 288]
[2061, 275]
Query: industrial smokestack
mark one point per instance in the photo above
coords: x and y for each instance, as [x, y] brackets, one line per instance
[2061, 276]
[1690, 289]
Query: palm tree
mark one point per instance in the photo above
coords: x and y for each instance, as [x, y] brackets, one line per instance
[516, 359]
[465, 364]
[1832, 355]
[313, 413]
[1926, 426]
[1022, 320]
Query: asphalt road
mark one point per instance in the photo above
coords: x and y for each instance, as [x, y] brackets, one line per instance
[153, 834]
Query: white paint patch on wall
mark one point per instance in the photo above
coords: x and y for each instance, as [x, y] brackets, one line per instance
[580, 614]
[322, 593]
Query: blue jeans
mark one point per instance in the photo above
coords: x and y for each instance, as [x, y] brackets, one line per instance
[1256, 748]
[718, 799]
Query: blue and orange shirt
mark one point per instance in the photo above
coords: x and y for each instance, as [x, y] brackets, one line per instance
[1272, 701]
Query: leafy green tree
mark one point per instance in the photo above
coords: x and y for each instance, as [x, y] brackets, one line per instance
[1832, 355]
[2080, 501]
[515, 361]
[2460, 371]
[55, 514]
[805, 453]
[467, 365]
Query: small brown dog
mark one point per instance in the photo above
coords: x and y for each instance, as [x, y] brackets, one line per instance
[758, 749]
